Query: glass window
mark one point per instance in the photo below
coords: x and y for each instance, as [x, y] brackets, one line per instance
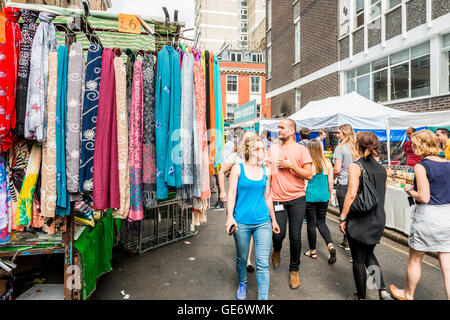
[400, 81]
[297, 41]
[254, 58]
[230, 109]
[298, 96]
[351, 74]
[380, 89]
[233, 57]
[255, 84]
[350, 85]
[375, 9]
[269, 14]
[269, 62]
[363, 69]
[258, 110]
[380, 64]
[393, 3]
[359, 9]
[420, 76]
[420, 50]
[238, 57]
[399, 56]
[232, 83]
[363, 86]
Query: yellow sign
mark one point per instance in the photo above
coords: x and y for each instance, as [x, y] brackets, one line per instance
[129, 24]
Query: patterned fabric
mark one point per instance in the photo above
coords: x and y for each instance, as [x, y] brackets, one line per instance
[63, 198]
[48, 171]
[9, 56]
[74, 100]
[44, 42]
[212, 116]
[218, 159]
[18, 157]
[106, 163]
[149, 152]
[167, 101]
[200, 205]
[136, 144]
[89, 116]
[29, 28]
[5, 202]
[122, 139]
[25, 203]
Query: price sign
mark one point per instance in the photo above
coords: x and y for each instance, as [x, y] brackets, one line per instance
[129, 24]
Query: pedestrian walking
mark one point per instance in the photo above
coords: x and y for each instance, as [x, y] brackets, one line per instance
[344, 155]
[250, 213]
[317, 196]
[291, 167]
[411, 158]
[443, 136]
[236, 157]
[430, 226]
[365, 228]
[304, 136]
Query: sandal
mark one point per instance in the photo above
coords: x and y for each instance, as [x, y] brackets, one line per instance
[393, 288]
[250, 268]
[332, 258]
[311, 255]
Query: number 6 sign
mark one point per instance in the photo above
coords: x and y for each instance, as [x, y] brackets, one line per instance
[129, 24]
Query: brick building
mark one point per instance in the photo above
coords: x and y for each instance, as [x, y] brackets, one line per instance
[243, 79]
[395, 52]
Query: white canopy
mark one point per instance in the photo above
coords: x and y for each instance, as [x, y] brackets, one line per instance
[422, 119]
[351, 108]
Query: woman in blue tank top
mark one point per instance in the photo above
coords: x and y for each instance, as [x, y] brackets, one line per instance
[250, 210]
[317, 195]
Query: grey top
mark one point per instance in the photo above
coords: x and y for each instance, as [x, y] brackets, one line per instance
[343, 153]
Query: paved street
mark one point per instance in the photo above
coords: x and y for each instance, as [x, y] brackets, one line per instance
[169, 273]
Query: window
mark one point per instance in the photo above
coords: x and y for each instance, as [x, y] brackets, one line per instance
[298, 95]
[258, 110]
[269, 61]
[445, 64]
[232, 83]
[359, 10]
[393, 3]
[238, 57]
[269, 14]
[243, 3]
[405, 74]
[375, 9]
[254, 58]
[255, 84]
[297, 42]
[230, 109]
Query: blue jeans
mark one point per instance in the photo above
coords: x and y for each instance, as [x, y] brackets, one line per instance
[262, 237]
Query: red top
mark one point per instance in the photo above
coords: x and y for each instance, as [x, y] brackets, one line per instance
[411, 158]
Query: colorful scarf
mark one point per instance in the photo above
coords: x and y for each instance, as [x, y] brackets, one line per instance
[5, 211]
[106, 163]
[122, 139]
[48, 171]
[218, 159]
[74, 100]
[200, 204]
[28, 31]
[149, 140]
[136, 145]
[25, 203]
[44, 42]
[63, 198]
[89, 116]
[9, 56]
[18, 158]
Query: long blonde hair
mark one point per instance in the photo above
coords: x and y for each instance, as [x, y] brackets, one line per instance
[350, 140]
[241, 145]
[316, 151]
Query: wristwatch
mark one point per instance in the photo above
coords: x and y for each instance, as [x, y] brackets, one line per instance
[342, 220]
[292, 166]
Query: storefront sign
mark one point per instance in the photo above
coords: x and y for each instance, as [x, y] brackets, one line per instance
[245, 112]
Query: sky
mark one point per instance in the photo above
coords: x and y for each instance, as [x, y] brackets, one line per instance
[154, 8]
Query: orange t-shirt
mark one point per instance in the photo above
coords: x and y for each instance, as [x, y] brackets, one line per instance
[286, 185]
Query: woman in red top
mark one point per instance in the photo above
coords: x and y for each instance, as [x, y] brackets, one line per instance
[411, 158]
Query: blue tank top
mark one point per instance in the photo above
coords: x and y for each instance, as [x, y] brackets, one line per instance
[438, 174]
[251, 207]
[317, 190]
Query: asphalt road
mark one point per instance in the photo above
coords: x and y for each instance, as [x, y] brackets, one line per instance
[171, 272]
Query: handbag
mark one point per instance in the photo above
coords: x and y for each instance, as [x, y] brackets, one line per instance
[367, 198]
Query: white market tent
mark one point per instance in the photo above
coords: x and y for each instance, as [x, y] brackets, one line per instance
[351, 108]
[422, 119]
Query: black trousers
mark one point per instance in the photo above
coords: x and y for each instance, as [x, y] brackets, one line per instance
[294, 212]
[364, 260]
[341, 191]
[316, 213]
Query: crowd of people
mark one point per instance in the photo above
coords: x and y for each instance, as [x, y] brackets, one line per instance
[275, 183]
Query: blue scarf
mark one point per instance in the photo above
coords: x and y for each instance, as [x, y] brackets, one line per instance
[219, 116]
[89, 116]
[63, 199]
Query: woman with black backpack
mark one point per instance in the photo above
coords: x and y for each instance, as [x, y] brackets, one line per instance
[363, 217]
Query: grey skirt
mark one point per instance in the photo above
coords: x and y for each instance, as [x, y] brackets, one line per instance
[430, 228]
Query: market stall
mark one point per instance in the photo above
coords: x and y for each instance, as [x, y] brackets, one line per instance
[97, 170]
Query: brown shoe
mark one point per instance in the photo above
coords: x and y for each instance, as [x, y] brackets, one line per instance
[276, 258]
[294, 279]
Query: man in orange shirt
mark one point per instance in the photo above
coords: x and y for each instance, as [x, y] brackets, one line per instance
[291, 165]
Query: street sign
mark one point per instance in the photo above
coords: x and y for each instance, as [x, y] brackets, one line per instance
[245, 112]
